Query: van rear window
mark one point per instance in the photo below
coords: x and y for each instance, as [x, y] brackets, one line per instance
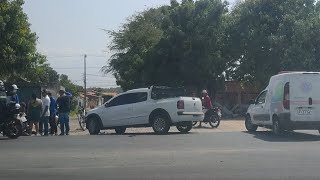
[286, 96]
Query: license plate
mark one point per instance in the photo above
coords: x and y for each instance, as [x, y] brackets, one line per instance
[304, 111]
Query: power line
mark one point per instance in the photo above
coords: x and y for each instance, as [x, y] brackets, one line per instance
[75, 56]
[76, 68]
[95, 75]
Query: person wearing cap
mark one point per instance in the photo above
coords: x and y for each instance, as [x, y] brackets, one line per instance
[206, 102]
[64, 104]
[45, 112]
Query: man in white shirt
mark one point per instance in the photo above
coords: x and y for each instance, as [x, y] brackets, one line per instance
[46, 112]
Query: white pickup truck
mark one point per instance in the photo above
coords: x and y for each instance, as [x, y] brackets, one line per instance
[156, 107]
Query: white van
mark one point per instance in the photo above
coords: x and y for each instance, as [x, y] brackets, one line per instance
[290, 102]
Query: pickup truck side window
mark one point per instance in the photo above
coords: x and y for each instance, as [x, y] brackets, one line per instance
[139, 97]
[128, 99]
[120, 100]
[261, 98]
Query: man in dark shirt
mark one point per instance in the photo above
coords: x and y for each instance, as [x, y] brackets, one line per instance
[63, 103]
[53, 112]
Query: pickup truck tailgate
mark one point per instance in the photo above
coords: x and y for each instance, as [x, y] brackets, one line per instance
[192, 105]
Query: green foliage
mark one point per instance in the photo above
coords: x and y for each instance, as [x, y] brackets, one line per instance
[189, 53]
[200, 43]
[132, 44]
[18, 54]
[270, 36]
[180, 44]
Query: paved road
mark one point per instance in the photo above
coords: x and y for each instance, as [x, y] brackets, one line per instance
[225, 155]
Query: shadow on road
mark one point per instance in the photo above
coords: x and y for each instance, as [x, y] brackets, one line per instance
[203, 127]
[141, 134]
[3, 138]
[286, 137]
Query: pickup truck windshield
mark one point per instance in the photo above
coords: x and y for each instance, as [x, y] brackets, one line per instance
[167, 92]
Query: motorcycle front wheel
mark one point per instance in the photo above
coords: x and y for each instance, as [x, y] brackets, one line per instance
[214, 121]
[14, 129]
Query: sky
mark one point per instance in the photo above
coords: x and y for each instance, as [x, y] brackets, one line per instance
[68, 29]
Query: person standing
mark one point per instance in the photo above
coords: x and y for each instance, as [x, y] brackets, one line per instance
[53, 112]
[64, 103]
[46, 112]
[34, 113]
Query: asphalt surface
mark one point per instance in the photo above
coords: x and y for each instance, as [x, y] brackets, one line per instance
[223, 155]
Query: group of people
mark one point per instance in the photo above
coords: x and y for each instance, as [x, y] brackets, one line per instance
[42, 112]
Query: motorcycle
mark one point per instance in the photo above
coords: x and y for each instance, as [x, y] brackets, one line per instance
[211, 116]
[10, 125]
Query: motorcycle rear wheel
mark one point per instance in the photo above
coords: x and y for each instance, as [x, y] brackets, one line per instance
[214, 121]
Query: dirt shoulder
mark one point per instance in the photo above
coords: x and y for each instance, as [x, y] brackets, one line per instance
[228, 125]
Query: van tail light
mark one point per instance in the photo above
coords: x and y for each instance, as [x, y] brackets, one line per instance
[310, 101]
[180, 104]
[286, 96]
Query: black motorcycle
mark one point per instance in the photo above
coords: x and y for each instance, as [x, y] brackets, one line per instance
[211, 116]
[10, 125]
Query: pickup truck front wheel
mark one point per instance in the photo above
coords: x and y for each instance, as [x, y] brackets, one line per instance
[184, 127]
[120, 130]
[160, 124]
[93, 126]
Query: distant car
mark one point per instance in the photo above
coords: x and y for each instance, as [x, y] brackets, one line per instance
[156, 107]
[290, 102]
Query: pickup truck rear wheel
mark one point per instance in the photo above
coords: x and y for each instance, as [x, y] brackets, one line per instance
[160, 124]
[184, 127]
[120, 130]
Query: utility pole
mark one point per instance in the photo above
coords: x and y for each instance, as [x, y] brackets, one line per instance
[85, 82]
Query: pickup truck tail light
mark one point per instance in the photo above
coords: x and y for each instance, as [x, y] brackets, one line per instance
[180, 104]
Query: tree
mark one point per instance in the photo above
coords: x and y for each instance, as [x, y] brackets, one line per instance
[131, 44]
[18, 53]
[176, 45]
[190, 50]
[269, 36]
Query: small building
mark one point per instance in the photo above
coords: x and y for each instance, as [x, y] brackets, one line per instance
[93, 100]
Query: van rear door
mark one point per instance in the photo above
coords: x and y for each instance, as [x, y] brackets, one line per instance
[304, 96]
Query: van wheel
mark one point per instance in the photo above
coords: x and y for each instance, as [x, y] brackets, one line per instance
[93, 126]
[160, 124]
[276, 128]
[120, 130]
[249, 125]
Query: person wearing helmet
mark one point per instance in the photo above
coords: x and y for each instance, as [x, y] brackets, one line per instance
[206, 102]
[3, 100]
[12, 94]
